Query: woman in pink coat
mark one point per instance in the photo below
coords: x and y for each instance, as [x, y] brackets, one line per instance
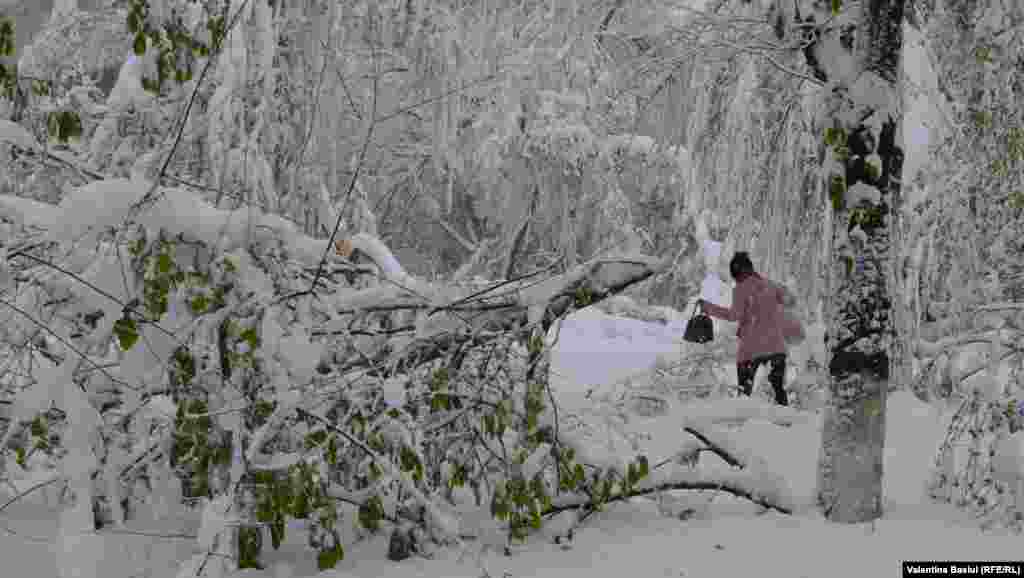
[757, 306]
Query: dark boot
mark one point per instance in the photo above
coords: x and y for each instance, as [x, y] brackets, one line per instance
[745, 371]
[777, 377]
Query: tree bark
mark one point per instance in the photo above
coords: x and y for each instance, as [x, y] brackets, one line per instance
[858, 57]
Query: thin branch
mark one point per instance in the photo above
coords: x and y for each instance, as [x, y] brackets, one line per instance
[729, 458]
[351, 187]
[313, 113]
[42, 484]
[67, 344]
[428, 101]
[348, 95]
[149, 197]
[149, 534]
[711, 485]
[81, 280]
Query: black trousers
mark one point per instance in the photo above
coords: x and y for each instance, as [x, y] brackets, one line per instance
[746, 371]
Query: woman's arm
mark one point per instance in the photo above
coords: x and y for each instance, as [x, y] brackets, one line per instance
[726, 313]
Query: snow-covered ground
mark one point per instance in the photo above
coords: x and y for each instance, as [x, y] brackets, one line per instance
[686, 534]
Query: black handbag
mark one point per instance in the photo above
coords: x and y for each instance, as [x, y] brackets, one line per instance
[700, 328]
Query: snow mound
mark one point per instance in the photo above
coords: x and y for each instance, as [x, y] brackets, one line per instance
[1008, 463]
[912, 433]
[27, 212]
[96, 206]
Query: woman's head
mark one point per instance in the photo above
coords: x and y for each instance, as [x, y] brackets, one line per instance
[741, 266]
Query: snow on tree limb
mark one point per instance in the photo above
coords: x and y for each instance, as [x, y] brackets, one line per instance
[740, 482]
[926, 348]
[14, 134]
[27, 212]
[493, 315]
[602, 277]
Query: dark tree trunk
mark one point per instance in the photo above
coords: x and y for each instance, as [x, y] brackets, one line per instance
[862, 128]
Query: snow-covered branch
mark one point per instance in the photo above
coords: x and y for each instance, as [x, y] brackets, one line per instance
[739, 482]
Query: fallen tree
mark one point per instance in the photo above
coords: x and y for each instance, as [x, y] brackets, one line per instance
[264, 365]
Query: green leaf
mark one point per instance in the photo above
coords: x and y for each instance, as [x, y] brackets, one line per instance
[139, 46]
[983, 54]
[439, 402]
[250, 336]
[200, 304]
[222, 455]
[439, 380]
[262, 410]
[132, 21]
[458, 477]
[164, 263]
[7, 37]
[38, 427]
[71, 125]
[583, 297]
[375, 472]
[329, 558]
[999, 168]
[535, 344]
[136, 247]
[40, 87]
[1016, 200]
[872, 407]
[872, 171]
[837, 6]
[184, 365]
[332, 451]
[371, 513]
[300, 505]
[265, 511]
[834, 136]
[837, 188]
[249, 546]
[983, 119]
[277, 533]
[315, 438]
[127, 332]
[535, 519]
[411, 462]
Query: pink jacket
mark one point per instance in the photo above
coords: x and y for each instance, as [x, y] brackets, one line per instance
[757, 305]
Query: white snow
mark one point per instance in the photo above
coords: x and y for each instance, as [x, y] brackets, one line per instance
[15, 134]
[721, 536]
[1009, 459]
[299, 354]
[394, 391]
[861, 192]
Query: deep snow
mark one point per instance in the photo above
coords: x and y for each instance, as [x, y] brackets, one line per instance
[685, 534]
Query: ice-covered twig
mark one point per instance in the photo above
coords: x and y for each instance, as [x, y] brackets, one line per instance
[55, 477]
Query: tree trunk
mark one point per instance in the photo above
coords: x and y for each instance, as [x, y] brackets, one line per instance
[858, 57]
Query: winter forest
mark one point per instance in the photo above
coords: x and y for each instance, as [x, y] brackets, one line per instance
[396, 288]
